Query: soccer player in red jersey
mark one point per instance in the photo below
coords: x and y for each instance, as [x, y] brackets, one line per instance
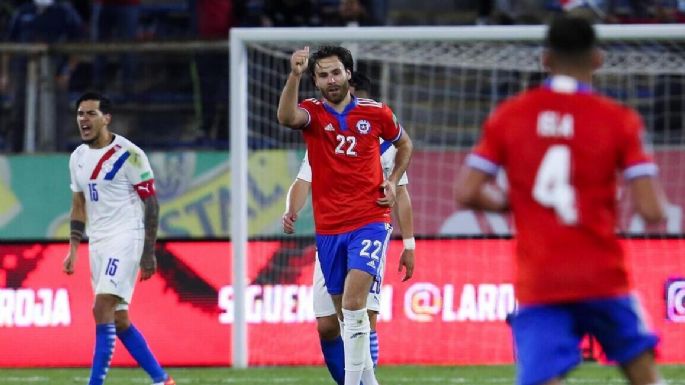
[561, 146]
[350, 196]
[327, 323]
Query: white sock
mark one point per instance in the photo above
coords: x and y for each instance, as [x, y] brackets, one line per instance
[356, 342]
[369, 377]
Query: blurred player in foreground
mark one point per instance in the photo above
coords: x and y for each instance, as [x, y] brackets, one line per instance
[113, 188]
[350, 196]
[561, 145]
[324, 309]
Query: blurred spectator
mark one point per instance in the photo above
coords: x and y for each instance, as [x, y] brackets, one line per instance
[592, 10]
[215, 18]
[377, 11]
[115, 20]
[290, 13]
[6, 11]
[494, 12]
[39, 21]
[249, 13]
[625, 11]
[84, 8]
[484, 11]
[646, 11]
[352, 12]
[505, 12]
[638, 9]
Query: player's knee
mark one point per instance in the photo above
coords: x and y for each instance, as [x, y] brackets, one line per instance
[356, 302]
[328, 327]
[103, 309]
[121, 321]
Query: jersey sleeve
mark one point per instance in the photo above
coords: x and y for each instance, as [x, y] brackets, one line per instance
[138, 166]
[634, 160]
[392, 130]
[139, 173]
[487, 155]
[305, 172]
[72, 175]
[308, 106]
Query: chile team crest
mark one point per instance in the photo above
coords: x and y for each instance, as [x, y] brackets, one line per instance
[363, 126]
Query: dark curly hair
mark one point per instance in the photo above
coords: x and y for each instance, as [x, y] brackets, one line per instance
[342, 53]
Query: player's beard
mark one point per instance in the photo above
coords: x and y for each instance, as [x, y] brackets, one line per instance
[93, 139]
[339, 96]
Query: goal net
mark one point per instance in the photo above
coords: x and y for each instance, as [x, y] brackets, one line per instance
[441, 83]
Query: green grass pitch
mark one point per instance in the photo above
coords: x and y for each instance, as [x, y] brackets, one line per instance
[387, 375]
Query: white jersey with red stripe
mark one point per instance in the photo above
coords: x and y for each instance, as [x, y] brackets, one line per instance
[112, 179]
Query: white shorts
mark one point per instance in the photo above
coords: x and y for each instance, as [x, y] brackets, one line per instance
[114, 265]
[323, 303]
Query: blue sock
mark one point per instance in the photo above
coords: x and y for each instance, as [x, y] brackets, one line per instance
[104, 348]
[136, 345]
[373, 339]
[334, 355]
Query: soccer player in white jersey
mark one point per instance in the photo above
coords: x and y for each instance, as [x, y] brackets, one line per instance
[113, 189]
[324, 309]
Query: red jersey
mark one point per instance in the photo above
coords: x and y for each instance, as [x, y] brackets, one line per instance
[346, 168]
[561, 146]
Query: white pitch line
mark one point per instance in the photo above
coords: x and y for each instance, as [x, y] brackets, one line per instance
[22, 380]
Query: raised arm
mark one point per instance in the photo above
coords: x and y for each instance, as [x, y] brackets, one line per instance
[288, 113]
[405, 217]
[295, 200]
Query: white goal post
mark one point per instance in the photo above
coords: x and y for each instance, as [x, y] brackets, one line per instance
[431, 45]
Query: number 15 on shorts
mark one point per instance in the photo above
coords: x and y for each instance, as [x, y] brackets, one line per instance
[111, 268]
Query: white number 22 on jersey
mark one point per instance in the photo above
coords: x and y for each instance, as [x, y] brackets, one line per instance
[552, 184]
[351, 141]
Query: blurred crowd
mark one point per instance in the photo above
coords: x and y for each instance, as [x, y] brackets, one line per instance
[598, 11]
[55, 21]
